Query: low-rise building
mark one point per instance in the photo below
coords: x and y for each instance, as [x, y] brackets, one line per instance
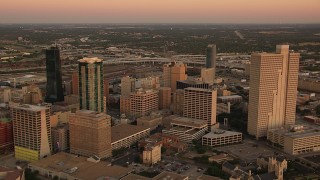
[152, 121]
[187, 129]
[151, 154]
[221, 137]
[70, 167]
[60, 137]
[296, 139]
[125, 135]
[223, 108]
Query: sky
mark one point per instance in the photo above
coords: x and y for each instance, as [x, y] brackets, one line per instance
[160, 11]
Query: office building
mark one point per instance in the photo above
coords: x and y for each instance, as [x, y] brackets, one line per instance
[151, 121]
[32, 132]
[164, 98]
[178, 102]
[200, 104]
[273, 90]
[127, 85]
[125, 105]
[172, 73]
[90, 133]
[208, 73]
[143, 102]
[221, 138]
[186, 129]
[91, 84]
[151, 154]
[60, 137]
[223, 108]
[6, 134]
[125, 135]
[296, 139]
[54, 78]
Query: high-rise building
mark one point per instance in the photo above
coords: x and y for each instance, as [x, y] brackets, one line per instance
[91, 84]
[200, 104]
[90, 133]
[211, 56]
[60, 137]
[54, 78]
[127, 85]
[178, 102]
[172, 73]
[32, 132]
[143, 102]
[164, 98]
[273, 90]
[75, 83]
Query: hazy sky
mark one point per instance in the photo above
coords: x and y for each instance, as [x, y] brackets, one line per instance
[159, 11]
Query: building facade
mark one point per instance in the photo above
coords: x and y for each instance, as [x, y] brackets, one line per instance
[221, 138]
[273, 90]
[164, 98]
[143, 102]
[54, 77]
[172, 73]
[151, 154]
[91, 89]
[32, 132]
[200, 104]
[90, 133]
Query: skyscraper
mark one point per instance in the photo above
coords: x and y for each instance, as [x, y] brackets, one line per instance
[75, 83]
[91, 84]
[273, 90]
[211, 56]
[90, 133]
[172, 73]
[200, 104]
[54, 79]
[32, 132]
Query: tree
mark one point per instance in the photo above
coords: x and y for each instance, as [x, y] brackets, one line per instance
[318, 110]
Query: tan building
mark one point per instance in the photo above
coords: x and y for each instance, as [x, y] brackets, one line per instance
[91, 91]
[164, 98]
[221, 138]
[90, 133]
[151, 154]
[32, 132]
[127, 85]
[125, 105]
[152, 121]
[186, 129]
[223, 92]
[296, 139]
[5, 95]
[75, 83]
[223, 108]
[200, 104]
[273, 90]
[172, 73]
[232, 99]
[178, 102]
[152, 82]
[71, 167]
[143, 102]
[207, 75]
[125, 135]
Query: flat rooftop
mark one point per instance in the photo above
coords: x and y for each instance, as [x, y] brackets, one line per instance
[29, 107]
[64, 162]
[189, 122]
[229, 97]
[221, 133]
[90, 60]
[192, 82]
[89, 113]
[199, 89]
[122, 131]
[149, 118]
[169, 175]
[306, 131]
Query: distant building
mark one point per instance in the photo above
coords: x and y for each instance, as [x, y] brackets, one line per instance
[187, 129]
[143, 102]
[75, 83]
[232, 99]
[308, 84]
[32, 132]
[273, 90]
[152, 121]
[91, 91]
[164, 98]
[223, 108]
[211, 58]
[6, 134]
[54, 77]
[207, 75]
[172, 73]
[296, 139]
[221, 138]
[127, 85]
[200, 104]
[90, 133]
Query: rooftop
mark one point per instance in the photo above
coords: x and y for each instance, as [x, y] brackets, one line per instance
[228, 97]
[135, 177]
[189, 122]
[220, 133]
[5, 120]
[194, 82]
[89, 113]
[298, 131]
[79, 167]
[29, 107]
[198, 89]
[122, 131]
[90, 60]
